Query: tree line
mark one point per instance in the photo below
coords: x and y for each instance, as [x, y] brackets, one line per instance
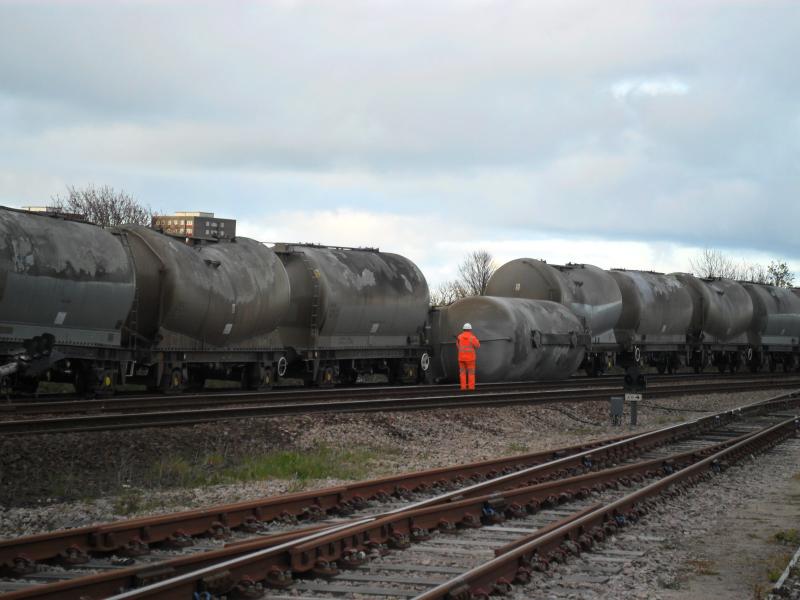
[714, 263]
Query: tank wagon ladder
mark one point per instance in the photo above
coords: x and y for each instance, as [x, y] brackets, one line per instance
[133, 315]
[314, 320]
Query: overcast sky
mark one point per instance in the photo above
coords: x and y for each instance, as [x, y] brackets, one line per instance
[615, 133]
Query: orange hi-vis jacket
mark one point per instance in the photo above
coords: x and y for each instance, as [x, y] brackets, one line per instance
[466, 344]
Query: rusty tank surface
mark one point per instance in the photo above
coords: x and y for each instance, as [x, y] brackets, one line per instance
[657, 309]
[589, 291]
[776, 316]
[352, 298]
[62, 277]
[723, 310]
[521, 339]
[218, 293]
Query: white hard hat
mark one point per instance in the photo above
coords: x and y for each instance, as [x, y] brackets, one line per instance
[467, 326]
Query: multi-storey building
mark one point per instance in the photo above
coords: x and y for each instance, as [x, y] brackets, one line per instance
[196, 225]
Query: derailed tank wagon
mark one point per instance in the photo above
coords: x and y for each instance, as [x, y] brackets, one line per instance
[588, 291]
[521, 339]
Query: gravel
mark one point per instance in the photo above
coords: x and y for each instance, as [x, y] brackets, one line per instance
[716, 542]
[70, 480]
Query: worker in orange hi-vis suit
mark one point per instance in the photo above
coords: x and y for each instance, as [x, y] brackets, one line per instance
[467, 343]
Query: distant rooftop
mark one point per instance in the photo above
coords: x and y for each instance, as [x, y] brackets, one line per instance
[194, 214]
[47, 209]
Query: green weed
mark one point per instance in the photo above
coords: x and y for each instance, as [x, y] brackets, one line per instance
[790, 537]
[516, 448]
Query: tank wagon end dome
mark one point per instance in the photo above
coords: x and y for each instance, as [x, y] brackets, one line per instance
[528, 278]
[220, 292]
[68, 278]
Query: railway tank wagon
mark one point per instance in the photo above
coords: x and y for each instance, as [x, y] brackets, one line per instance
[590, 292]
[521, 339]
[354, 311]
[204, 310]
[66, 288]
[722, 315]
[656, 318]
[775, 330]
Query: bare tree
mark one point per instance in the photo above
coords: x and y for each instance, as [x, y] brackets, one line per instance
[713, 263]
[104, 206]
[755, 272]
[779, 274]
[446, 293]
[475, 272]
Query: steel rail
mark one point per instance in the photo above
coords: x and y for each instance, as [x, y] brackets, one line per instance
[108, 422]
[404, 525]
[133, 536]
[556, 545]
[138, 533]
[278, 566]
[237, 397]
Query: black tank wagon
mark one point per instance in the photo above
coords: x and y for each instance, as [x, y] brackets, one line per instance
[98, 307]
[354, 311]
[521, 339]
[66, 289]
[590, 292]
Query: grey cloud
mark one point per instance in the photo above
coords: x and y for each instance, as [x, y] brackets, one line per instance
[507, 103]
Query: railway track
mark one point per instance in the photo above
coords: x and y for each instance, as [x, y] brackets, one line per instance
[576, 485]
[69, 404]
[105, 419]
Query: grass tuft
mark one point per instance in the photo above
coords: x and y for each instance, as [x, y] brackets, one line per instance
[317, 463]
[789, 537]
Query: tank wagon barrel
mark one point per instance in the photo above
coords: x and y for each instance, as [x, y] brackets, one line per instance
[590, 292]
[66, 279]
[521, 339]
[775, 331]
[205, 309]
[354, 311]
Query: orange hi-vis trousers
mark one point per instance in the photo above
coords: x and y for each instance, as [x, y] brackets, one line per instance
[466, 374]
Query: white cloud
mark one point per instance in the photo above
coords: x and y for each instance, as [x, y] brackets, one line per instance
[664, 86]
[429, 243]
